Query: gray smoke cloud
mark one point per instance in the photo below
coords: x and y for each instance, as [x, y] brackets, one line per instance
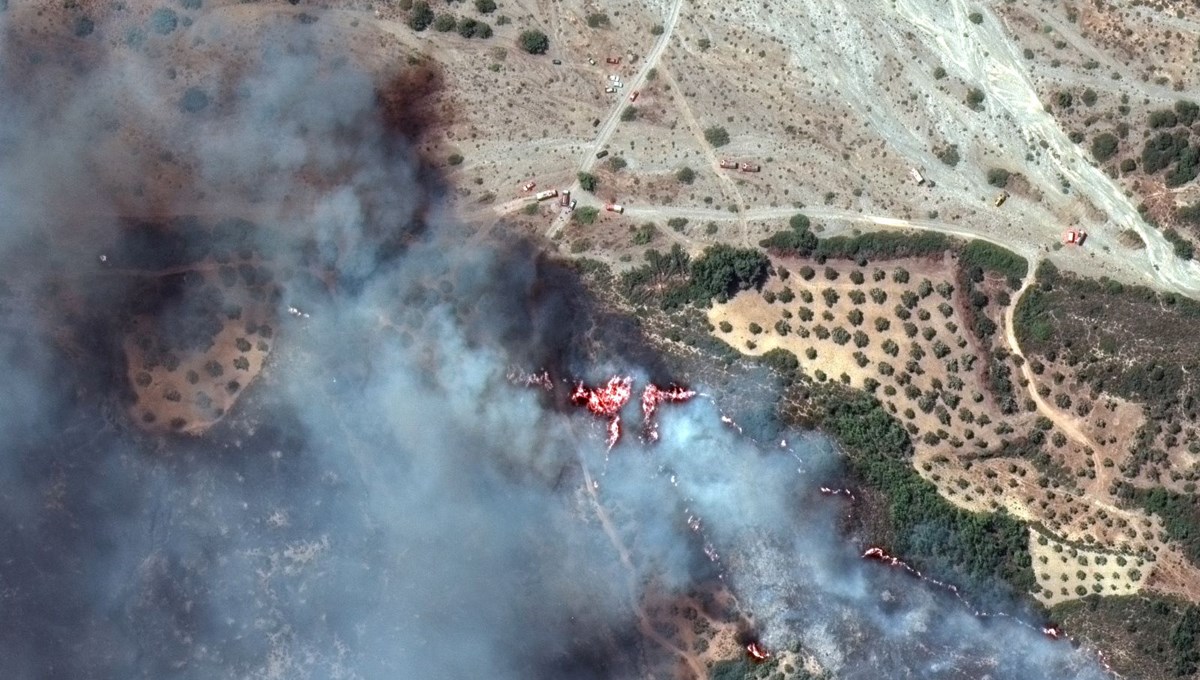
[382, 502]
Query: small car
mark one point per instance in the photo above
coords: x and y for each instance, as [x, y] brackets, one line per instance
[529, 186]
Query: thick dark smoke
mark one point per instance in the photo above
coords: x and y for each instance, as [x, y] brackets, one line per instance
[382, 502]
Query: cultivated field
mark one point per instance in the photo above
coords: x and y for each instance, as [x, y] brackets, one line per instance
[983, 434]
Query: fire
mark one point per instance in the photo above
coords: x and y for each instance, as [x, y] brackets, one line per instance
[654, 395]
[826, 491]
[1052, 632]
[757, 652]
[606, 402]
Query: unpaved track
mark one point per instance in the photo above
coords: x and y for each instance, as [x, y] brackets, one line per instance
[588, 159]
[644, 622]
[707, 214]
[698, 132]
[1098, 488]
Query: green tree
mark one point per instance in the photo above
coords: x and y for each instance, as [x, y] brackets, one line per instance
[485, 6]
[723, 270]
[998, 177]
[534, 42]
[444, 23]
[629, 113]
[975, 98]
[717, 136]
[597, 20]
[587, 181]
[1104, 146]
[685, 175]
[421, 16]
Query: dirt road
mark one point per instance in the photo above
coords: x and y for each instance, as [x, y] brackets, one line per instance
[588, 158]
[1098, 487]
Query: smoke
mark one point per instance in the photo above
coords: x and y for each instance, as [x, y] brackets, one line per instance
[381, 502]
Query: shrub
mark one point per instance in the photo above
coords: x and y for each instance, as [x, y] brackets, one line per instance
[677, 223]
[1089, 97]
[975, 98]
[455, 159]
[485, 6]
[617, 163]
[726, 327]
[1183, 248]
[939, 73]
[806, 272]
[644, 234]
[194, 100]
[657, 29]
[587, 181]
[534, 42]
[975, 17]
[597, 20]
[831, 296]
[754, 328]
[585, 215]
[948, 155]
[882, 324]
[84, 27]
[1163, 118]
[991, 257]
[998, 177]
[444, 23]
[471, 28]
[798, 240]
[629, 114]
[685, 175]
[421, 16]
[717, 136]
[164, 20]
[1104, 146]
[723, 269]
[855, 317]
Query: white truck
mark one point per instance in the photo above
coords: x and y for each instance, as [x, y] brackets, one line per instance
[548, 193]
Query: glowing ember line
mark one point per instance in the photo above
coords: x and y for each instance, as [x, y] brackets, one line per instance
[606, 402]
[654, 395]
[1052, 632]
[757, 652]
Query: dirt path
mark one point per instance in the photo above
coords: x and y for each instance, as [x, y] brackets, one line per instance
[588, 159]
[644, 622]
[698, 132]
[1098, 487]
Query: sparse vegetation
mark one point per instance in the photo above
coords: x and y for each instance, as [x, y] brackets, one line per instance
[685, 175]
[534, 42]
[584, 215]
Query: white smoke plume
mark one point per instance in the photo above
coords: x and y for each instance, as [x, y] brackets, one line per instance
[383, 502]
